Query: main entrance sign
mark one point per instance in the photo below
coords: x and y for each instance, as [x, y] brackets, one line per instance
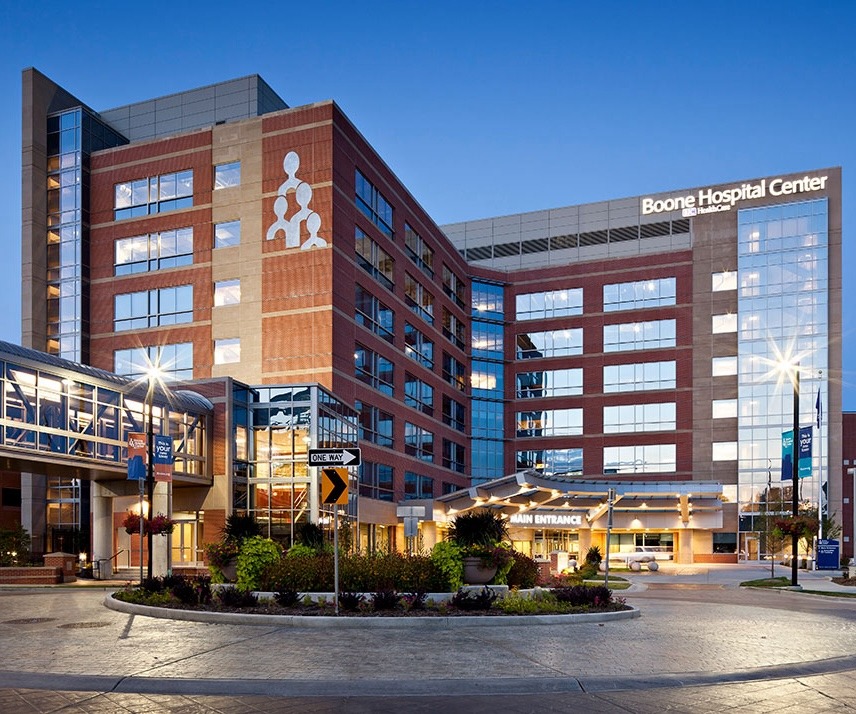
[708, 200]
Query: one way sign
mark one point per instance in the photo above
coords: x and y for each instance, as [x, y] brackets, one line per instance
[334, 457]
[334, 486]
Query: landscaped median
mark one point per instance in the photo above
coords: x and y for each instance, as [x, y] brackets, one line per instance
[437, 610]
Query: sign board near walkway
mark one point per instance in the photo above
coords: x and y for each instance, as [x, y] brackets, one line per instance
[828, 554]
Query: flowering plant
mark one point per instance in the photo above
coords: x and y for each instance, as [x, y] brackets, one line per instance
[131, 524]
[800, 526]
[160, 525]
[222, 553]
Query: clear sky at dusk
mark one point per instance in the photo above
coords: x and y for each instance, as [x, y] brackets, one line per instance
[483, 108]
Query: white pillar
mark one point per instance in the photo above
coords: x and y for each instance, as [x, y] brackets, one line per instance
[160, 544]
[102, 529]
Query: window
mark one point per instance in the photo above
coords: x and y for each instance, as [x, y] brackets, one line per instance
[639, 335]
[417, 486]
[418, 395]
[418, 298]
[227, 175]
[376, 481]
[227, 234]
[726, 280]
[227, 292]
[454, 287]
[639, 377]
[487, 379]
[550, 422]
[648, 458]
[723, 366]
[487, 339]
[454, 372]
[487, 418]
[167, 249]
[418, 442]
[418, 250]
[374, 260]
[418, 347]
[724, 451]
[373, 314]
[175, 360]
[639, 417]
[555, 343]
[153, 195]
[373, 369]
[555, 303]
[375, 425]
[454, 456]
[227, 351]
[551, 461]
[372, 204]
[723, 408]
[454, 414]
[724, 323]
[454, 329]
[153, 308]
[487, 301]
[550, 383]
[639, 294]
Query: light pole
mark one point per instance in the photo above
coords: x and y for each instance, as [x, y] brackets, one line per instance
[153, 375]
[795, 476]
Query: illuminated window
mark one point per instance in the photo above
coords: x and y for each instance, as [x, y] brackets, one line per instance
[227, 175]
[227, 292]
[724, 323]
[726, 280]
[227, 351]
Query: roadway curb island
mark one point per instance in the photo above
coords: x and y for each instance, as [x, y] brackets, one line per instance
[345, 622]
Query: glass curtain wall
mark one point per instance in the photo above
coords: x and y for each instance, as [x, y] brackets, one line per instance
[273, 429]
[783, 312]
[487, 381]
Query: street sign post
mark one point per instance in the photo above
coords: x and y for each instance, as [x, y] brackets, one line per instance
[335, 457]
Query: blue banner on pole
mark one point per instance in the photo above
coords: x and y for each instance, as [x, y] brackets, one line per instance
[787, 455]
[136, 457]
[163, 458]
[804, 463]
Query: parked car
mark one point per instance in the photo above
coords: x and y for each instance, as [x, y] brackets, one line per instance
[643, 554]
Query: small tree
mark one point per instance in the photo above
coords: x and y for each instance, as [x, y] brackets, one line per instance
[14, 546]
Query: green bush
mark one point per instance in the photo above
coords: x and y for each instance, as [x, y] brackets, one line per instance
[478, 530]
[304, 573]
[256, 555]
[448, 559]
[14, 546]
[593, 556]
[523, 572]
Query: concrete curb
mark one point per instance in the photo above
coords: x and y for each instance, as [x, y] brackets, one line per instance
[344, 622]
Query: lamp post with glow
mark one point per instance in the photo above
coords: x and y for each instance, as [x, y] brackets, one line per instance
[794, 374]
[153, 375]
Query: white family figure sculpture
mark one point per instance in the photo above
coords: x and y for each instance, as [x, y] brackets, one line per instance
[303, 194]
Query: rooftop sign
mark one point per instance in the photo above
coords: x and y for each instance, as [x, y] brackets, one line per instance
[708, 200]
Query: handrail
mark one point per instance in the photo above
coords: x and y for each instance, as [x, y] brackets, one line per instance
[112, 557]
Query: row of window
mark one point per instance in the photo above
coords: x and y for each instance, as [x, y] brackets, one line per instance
[633, 459]
[377, 481]
[167, 192]
[167, 306]
[625, 418]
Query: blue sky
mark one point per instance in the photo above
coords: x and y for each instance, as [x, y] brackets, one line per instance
[483, 108]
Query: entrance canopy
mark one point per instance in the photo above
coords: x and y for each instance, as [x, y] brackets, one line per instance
[537, 500]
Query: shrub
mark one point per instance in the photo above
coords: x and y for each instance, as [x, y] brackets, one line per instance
[523, 572]
[593, 556]
[584, 595]
[255, 556]
[447, 558]
[415, 601]
[350, 601]
[235, 597]
[313, 573]
[588, 571]
[310, 535]
[239, 527]
[287, 598]
[473, 600]
[478, 529]
[386, 600]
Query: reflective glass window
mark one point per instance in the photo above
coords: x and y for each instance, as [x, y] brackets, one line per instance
[454, 413]
[639, 376]
[723, 408]
[723, 366]
[551, 461]
[554, 303]
[418, 394]
[155, 194]
[418, 442]
[454, 456]
[227, 292]
[418, 347]
[487, 301]
[646, 458]
[227, 351]
[153, 308]
[724, 451]
[374, 260]
[227, 234]
[552, 343]
[487, 379]
[723, 323]
[550, 422]
[454, 372]
[175, 360]
[418, 299]
[648, 335]
[726, 280]
[549, 383]
[373, 314]
[627, 418]
[417, 486]
[639, 294]
[227, 175]
[374, 369]
[373, 204]
[454, 329]
[418, 250]
[454, 286]
[487, 339]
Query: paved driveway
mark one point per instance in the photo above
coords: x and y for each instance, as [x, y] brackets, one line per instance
[702, 644]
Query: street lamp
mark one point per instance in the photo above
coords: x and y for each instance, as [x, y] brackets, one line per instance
[153, 374]
[793, 371]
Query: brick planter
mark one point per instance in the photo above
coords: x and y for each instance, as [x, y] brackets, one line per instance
[31, 576]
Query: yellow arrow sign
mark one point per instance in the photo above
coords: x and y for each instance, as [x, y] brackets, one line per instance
[334, 486]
